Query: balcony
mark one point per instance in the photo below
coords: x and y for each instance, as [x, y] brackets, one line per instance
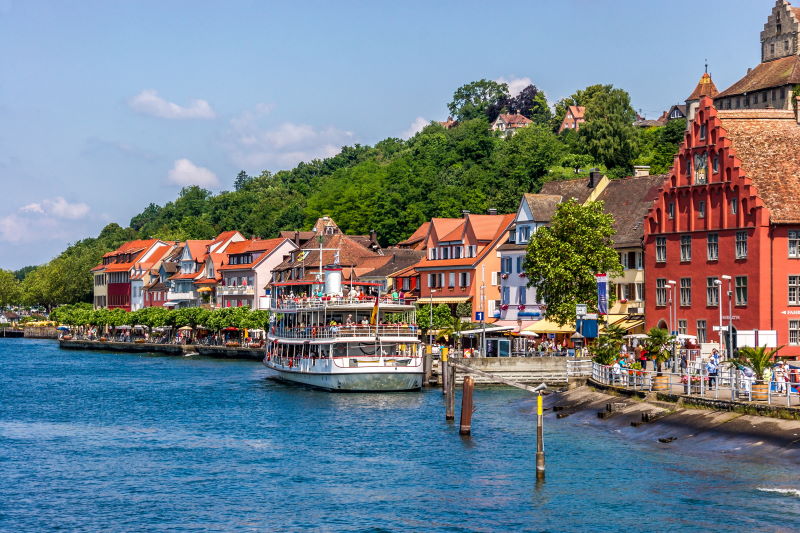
[346, 332]
[173, 296]
[235, 290]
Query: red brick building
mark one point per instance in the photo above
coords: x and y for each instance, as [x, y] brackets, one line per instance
[730, 206]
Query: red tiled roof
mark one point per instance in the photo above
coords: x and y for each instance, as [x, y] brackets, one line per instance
[485, 227]
[253, 245]
[206, 281]
[577, 111]
[185, 275]
[766, 142]
[705, 87]
[515, 120]
[198, 249]
[418, 235]
[351, 253]
[131, 247]
[775, 73]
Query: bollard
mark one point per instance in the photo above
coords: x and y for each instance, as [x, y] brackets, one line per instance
[426, 369]
[450, 394]
[443, 370]
[539, 439]
[466, 405]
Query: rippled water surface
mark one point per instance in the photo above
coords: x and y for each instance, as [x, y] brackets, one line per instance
[94, 441]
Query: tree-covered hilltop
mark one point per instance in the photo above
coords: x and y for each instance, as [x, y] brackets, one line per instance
[393, 186]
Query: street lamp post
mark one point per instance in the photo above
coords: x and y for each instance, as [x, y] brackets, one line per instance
[673, 318]
[729, 353]
[718, 283]
[430, 323]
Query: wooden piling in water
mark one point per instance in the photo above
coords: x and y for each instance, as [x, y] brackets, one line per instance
[426, 369]
[450, 394]
[466, 405]
[539, 439]
[444, 365]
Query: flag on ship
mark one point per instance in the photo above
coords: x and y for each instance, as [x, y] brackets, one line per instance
[374, 318]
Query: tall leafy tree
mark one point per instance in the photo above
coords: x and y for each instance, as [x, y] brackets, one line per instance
[474, 99]
[608, 134]
[563, 258]
[10, 291]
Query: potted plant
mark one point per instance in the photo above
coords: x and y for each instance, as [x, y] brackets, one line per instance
[760, 360]
[655, 344]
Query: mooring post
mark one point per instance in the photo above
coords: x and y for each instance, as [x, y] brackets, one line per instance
[539, 438]
[450, 395]
[466, 405]
[443, 370]
[426, 369]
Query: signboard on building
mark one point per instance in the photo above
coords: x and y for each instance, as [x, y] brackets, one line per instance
[602, 293]
[478, 316]
[580, 310]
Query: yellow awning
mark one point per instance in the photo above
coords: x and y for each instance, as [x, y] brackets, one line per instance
[547, 326]
[444, 300]
[628, 325]
[204, 289]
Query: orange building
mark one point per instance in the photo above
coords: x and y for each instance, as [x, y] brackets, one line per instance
[461, 258]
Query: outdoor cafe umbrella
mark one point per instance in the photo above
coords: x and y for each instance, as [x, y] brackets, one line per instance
[230, 328]
[185, 328]
[63, 328]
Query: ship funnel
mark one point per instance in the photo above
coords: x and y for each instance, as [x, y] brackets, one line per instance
[333, 280]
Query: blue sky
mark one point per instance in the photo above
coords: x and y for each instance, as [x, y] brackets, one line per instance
[108, 106]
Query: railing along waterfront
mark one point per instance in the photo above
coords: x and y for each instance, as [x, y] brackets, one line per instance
[292, 304]
[330, 332]
[728, 384]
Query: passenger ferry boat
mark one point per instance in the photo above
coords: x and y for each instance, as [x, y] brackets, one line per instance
[340, 343]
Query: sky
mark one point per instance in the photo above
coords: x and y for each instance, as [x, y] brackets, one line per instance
[106, 107]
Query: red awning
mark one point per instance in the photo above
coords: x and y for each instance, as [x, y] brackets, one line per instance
[299, 282]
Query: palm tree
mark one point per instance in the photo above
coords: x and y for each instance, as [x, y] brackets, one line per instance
[656, 344]
[759, 359]
[455, 328]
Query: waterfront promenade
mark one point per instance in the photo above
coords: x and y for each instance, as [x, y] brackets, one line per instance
[729, 390]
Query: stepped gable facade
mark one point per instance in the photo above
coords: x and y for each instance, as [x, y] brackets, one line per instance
[729, 206]
[770, 83]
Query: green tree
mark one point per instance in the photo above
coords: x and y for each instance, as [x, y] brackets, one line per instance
[474, 99]
[441, 317]
[608, 134]
[656, 344]
[562, 259]
[454, 329]
[760, 359]
[464, 310]
[10, 290]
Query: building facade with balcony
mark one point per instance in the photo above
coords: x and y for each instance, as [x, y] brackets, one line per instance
[729, 208]
[462, 261]
[112, 277]
[247, 271]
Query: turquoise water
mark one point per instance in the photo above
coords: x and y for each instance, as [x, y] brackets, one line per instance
[94, 441]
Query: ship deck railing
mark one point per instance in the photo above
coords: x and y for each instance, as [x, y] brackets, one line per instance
[345, 331]
[294, 304]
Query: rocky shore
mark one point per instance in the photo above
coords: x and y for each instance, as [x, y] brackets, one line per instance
[677, 425]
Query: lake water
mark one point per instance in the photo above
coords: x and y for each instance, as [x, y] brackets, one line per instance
[93, 441]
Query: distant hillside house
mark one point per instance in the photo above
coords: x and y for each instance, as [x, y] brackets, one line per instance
[509, 123]
[449, 123]
[573, 119]
[769, 84]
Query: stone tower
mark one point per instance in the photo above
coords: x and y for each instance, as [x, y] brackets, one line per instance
[780, 34]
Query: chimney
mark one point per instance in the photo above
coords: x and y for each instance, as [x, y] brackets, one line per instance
[297, 238]
[491, 211]
[594, 177]
[373, 236]
[641, 171]
[465, 213]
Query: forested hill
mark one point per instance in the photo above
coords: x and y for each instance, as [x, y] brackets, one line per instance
[395, 185]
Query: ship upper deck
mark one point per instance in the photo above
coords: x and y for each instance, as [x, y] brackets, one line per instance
[385, 304]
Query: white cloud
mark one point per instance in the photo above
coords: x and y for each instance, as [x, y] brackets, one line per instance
[254, 146]
[415, 127]
[515, 85]
[185, 173]
[148, 102]
[57, 207]
[13, 229]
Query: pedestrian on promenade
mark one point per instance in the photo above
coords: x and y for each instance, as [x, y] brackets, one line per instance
[780, 377]
[713, 370]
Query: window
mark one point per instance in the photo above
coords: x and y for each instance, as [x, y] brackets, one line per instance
[506, 295]
[712, 246]
[794, 332]
[741, 245]
[451, 281]
[715, 163]
[734, 205]
[507, 265]
[445, 252]
[432, 280]
[686, 292]
[522, 296]
[794, 290]
[406, 284]
[701, 209]
[433, 254]
[661, 249]
[794, 243]
[785, 45]
[772, 48]
[703, 130]
[639, 261]
[683, 326]
[671, 210]
[639, 292]
[464, 279]
[686, 248]
[457, 252]
[520, 260]
[764, 96]
[712, 292]
[741, 290]
[701, 331]
[441, 280]
[661, 291]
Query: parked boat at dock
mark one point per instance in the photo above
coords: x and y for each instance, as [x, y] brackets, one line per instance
[343, 343]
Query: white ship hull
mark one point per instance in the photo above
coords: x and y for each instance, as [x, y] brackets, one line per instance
[372, 376]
